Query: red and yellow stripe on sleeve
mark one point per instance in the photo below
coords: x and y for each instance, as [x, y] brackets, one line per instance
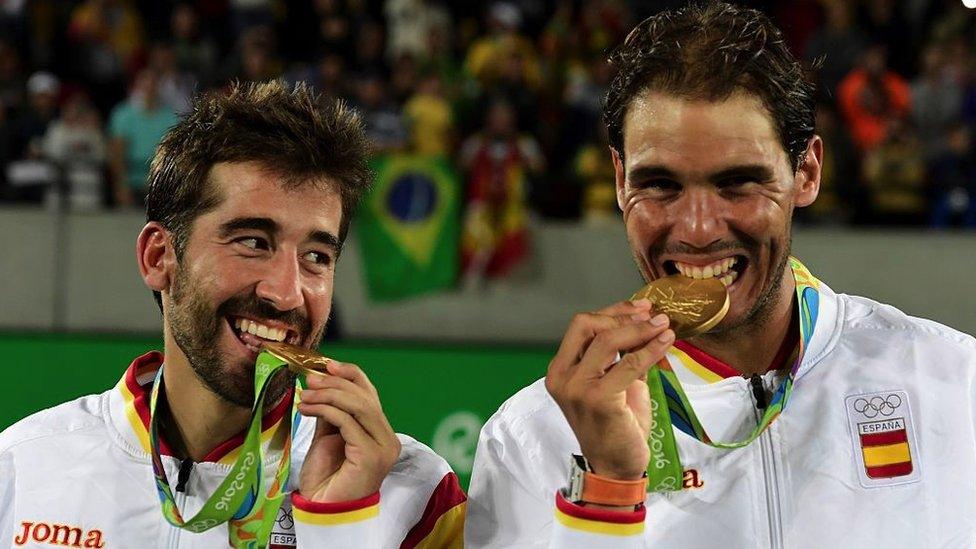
[599, 521]
[332, 514]
[442, 524]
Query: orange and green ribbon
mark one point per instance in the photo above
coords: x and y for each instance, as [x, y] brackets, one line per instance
[239, 500]
[670, 405]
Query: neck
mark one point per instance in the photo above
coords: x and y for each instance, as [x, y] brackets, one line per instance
[750, 349]
[197, 420]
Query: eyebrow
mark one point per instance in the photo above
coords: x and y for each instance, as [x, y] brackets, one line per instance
[756, 171]
[271, 227]
[650, 172]
[263, 224]
[326, 239]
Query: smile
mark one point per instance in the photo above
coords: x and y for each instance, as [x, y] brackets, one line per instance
[727, 270]
[253, 333]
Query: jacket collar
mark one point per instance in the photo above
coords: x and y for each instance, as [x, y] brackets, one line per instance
[692, 365]
[129, 409]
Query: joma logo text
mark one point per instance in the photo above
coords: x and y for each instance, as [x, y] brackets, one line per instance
[58, 534]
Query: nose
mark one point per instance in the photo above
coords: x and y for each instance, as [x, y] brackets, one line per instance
[281, 284]
[700, 218]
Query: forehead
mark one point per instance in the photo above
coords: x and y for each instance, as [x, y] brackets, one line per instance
[699, 135]
[249, 189]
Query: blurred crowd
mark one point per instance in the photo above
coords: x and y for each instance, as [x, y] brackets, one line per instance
[87, 87]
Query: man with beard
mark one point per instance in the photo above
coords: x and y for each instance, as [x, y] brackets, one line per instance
[250, 198]
[805, 418]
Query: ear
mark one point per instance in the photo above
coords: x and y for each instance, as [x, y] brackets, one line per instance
[618, 176]
[156, 256]
[806, 182]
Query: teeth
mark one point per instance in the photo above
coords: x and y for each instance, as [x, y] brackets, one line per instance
[727, 280]
[260, 330]
[719, 269]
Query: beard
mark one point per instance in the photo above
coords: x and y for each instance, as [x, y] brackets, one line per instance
[196, 327]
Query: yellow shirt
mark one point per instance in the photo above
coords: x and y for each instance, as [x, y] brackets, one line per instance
[431, 121]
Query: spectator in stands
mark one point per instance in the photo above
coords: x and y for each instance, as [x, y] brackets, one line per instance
[884, 23]
[29, 175]
[839, 43]
[430, 118]
[936, 101]
[176, 87]
[403, 79]
[593, 168]
[872, 99]
[196, 53]
[502, 44]
[253, 58]
[409, 23]
[894, 176]
[954, 180]
[6, 150]
[42, 107]
[76, 144]
[247, 14]
[332, 78]
[498, 161]
[12, 83]
[107, 40]
[368, 55]
[384, 121]
[135, 128]
[842, 194]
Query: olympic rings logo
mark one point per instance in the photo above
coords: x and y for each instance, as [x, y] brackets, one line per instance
[876, 405]
[285, 519]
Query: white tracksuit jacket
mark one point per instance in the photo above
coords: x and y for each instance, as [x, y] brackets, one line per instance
[876, 448]
[79, 475]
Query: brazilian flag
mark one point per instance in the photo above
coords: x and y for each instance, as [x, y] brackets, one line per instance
[409, 226]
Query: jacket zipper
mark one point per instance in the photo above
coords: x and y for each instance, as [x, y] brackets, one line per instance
[179, 497]
[773, 513]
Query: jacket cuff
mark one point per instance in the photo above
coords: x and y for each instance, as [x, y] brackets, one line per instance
[599, 521]
[333, 513]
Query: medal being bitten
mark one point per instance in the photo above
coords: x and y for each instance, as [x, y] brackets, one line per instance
[694, 306]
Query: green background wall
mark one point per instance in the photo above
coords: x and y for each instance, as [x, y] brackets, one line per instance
[438, 395]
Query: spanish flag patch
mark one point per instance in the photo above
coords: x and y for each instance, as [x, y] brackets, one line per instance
[884, 438]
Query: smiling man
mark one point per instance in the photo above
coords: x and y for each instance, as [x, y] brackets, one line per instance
[250, 198]
[805, 418]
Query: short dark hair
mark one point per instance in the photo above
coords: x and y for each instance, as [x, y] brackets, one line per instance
[710, 51]
[295, 133]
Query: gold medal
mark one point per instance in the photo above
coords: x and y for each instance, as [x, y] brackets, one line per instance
[694, 306]
[300, 360]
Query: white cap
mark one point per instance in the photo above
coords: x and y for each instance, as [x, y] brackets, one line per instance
[43, 82]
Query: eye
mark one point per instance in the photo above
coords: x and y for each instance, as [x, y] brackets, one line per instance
[737, 181]
[319, 258]
[253, 242]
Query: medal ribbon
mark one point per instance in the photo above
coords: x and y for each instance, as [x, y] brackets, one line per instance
[670, 405]
[239, 499]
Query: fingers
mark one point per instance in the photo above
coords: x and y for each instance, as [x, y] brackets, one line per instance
[351, 431]
[585, 326]
[635, 364]
[367, 413]
[351, 372]
[355, 397]
[606, 345]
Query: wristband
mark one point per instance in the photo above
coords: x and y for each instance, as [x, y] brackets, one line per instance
[585, 486]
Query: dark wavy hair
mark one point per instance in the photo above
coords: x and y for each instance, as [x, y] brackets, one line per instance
[301, 136]
[710, 51]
